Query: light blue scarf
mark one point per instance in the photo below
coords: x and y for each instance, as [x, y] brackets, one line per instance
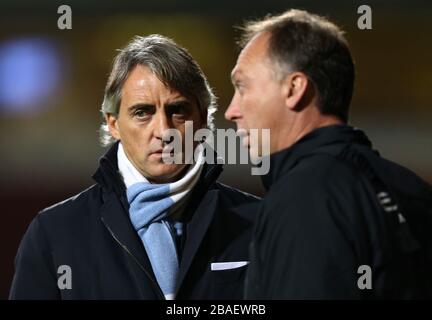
[150, 206]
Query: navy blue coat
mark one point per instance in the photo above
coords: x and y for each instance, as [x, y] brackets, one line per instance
[92, 234]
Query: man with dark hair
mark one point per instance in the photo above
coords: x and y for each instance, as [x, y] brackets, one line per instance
[338, 220]
[147, 229]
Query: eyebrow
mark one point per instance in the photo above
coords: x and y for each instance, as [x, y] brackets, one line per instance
[180, 102]
[235, 74]
[139, 106]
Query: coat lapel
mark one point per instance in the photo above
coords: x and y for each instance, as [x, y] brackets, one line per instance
[196, 230]
[115, 214]
[114, 218]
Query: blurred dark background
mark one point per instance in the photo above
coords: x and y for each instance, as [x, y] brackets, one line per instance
[52, 81]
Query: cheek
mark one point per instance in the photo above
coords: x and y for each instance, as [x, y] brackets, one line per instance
[136, 137]
[261, 110]
[198, 119]
[178, 132]
[133, 136]
[253, 108]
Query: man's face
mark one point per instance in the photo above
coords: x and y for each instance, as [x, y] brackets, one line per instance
[258, 96]
[147, 109]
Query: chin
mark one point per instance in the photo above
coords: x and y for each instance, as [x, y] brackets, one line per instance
[166, 172]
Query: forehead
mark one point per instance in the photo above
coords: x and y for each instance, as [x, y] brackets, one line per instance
[142, 80]
[143, 86]
[254, 54]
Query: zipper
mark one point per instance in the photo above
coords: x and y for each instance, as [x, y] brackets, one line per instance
[135, 259]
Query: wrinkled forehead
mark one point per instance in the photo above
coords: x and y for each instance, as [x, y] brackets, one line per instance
[143, 80]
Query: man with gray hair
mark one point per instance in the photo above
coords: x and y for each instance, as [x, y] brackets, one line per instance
[338, 221]
[147, 229]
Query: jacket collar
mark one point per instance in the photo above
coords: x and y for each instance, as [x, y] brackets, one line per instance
[108, 175]
[110, 179]
[284, 160]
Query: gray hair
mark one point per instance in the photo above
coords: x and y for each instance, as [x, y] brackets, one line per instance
[171, 63]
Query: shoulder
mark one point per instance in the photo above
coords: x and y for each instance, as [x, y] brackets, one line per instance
[317, 173]
[235, 195]
[72, 209]
[319, 190]
[317, 204]
[237, 203]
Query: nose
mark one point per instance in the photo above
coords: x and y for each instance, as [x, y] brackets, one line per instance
[233, 112]
[162, 123]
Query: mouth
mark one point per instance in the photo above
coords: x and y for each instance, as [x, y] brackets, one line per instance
[244, 136]
[156, 154]
[159, 154]
[158, 151]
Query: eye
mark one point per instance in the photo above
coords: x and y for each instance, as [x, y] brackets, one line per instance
[238, 86]
[142, 114]
[178, 110]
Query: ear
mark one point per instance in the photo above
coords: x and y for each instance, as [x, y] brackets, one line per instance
[294, 89]
[112, 122]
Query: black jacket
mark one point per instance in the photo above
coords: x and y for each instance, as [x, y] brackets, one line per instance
[321, 221]
[92, 234]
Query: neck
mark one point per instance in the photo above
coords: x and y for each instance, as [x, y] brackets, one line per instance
[302, 124]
